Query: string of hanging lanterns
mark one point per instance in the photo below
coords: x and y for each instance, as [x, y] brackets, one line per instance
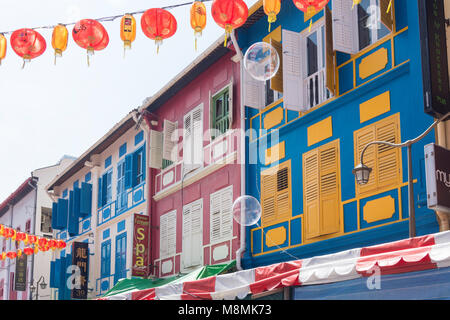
[33, 244]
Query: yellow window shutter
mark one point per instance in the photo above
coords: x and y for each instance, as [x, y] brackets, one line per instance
[283, 200]
[387, 17]
[311, 193]
[388, 158]
[268, 194]
[329, 188]
[276, 83]
[329, 59]
[362, 138]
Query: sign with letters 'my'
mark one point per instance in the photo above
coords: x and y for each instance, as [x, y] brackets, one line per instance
[141, 231]
[437, 164]
[80, 259]
[433, 43]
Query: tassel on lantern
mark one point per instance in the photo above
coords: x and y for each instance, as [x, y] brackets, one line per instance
[389, 6]
[271, 9]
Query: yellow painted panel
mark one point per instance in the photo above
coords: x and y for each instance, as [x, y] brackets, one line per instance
[373, 63]
[275, 35]
[379, 209]
[275, 153]
[276, 237]
[273, 118]
[320, 131]
[374, 107]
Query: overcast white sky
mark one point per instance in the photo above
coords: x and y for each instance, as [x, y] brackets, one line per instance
[48, 111]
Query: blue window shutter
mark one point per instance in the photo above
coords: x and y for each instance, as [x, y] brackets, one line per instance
[63, 212]
[135, 167]
[73, 217]
[144, 168]
[62, 281]
[77, 202]
[68, 292]
[52, 274]
[86, 200]
[54, 215]
[57, 273]
[128, 171]
[100, 193]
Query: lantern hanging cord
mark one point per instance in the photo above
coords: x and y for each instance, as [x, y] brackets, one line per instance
[112, 18]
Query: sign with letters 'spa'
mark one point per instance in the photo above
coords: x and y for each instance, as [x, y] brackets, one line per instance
[141, 231]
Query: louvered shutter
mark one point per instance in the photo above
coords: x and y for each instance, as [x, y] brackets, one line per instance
[268, 195]
[170, 142]
[329, 52]
[362, 138]
[187, 142]
[276, 82]
[86, 199]
[128, 171]
[253, 91]
[292, 71]
[163, 251]
[63, 212]
[197, 233]
[216, 219]
[156, 150]
[345, 35]
[388, 158]
[283, 198]
[100, 192]
[387, 17]
[311, 193]
[54, 215]
[197, 135]
[171, 233]
[227, 213]
[187, 237]
[329, 189]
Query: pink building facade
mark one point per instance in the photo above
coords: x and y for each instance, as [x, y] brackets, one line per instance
[195, 124]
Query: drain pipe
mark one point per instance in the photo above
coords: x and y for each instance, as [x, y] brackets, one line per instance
[33, 227]
[238, 60]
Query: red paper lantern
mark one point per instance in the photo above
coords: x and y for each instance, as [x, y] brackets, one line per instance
[28, 251]
[158, 24]
[52, 244]
[28, 44]
[9, 233]
[310, 6]
[90, 35]
[11, 255]
[229, 14]
[61, 244]
[21, 236]
[32, 239]
[42, 242]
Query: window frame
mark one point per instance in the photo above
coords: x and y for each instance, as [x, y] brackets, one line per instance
[105, 261]
[229, 115]
[122, 257]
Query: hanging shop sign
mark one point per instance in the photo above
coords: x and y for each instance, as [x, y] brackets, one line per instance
[80, 258]
[437, 164]
[141, 235]
[20, 279]
[434, 57]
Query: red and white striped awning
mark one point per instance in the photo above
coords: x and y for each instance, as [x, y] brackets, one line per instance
[415, 254]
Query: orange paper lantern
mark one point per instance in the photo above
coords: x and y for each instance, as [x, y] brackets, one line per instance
[3, 45]
[60, 37]
[271, 9]
[127, 30]
[90, 35]
[2, 229]
[229, 14]
[28, 44]
[158, 24]
[198, 19]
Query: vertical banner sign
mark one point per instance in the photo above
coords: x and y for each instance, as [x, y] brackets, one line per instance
[141, 231]
[437, 165]
[20, 281]
[80, 258]
[434, 57]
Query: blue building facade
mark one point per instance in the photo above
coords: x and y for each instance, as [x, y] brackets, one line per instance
[348, 76]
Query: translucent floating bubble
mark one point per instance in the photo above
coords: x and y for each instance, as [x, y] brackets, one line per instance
[262, 61]
[246, 210]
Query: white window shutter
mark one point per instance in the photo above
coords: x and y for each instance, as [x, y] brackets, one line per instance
[187, 142]
[197, 135]
[345, 26]
[187, 237]
[292, 71]
[253, 91]
[155, 149]
[227, 213]
[170, 141]
[197, 233]
[172, 233]
[216, 219]
[163, 252]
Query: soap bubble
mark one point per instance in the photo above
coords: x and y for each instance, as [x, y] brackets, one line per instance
[246, 210]
[261, 61]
